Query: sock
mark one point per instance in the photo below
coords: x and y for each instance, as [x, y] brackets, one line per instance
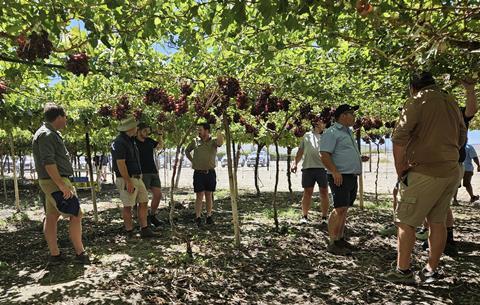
[449, 234]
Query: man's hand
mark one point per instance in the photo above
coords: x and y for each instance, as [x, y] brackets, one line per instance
[293, 168]
[130, 187]
[365, 158]
[337, 178]
[67, 192]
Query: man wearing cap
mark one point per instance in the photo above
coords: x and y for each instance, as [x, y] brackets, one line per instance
[343, 161]
[54, 169]
[150, 177]
[127, 168]
[313, 170]
[429, 177]
[204, 150]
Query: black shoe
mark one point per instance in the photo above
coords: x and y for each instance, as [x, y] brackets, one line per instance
[429, 277]
[54, 260]
[147, 232]
[346, 244]
[198, 221]
[129, 233]
[82, 259]
[337, 248]
[451, 249]
[474, 198]
[153, 220]
[210, 221]
[425, 245]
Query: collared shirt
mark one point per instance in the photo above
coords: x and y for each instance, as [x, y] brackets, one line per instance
[431, 127]
[470, 154]
[338, 140]
[311, 150]
[48, 148]
[145, 148]
[204, 153]
[124, 148]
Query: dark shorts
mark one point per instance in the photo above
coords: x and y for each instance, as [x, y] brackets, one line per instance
[467, 178]
[204, 182]
[344, 195]
[151, 180]
[310, 176]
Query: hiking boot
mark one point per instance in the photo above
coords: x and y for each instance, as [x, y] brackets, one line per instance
[429, 277]
[198, 221]
[342, 242]
[422, 234]
[210, 221]
[388, 230]
[54, 260]
[82, 259]
[153, 220]
[474, 198]
[304, 220]
[337, 248]
[450, 249]
[400, 277]
[147, 233]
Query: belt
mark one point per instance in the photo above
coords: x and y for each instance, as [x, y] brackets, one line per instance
[65, 176]
[204, 171]
[137, 176]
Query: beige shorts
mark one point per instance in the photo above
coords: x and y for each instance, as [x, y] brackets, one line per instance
[139, 195]
[425, 197]
[48, 187]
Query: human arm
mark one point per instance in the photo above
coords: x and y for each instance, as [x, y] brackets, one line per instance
[471, 105]
[298, 157]
[400, 157]
[188, 151]
[219, 139]
[328, 163]
[122, 168]
[52, 171]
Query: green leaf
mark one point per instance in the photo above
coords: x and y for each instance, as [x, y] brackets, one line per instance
[266, 9]
[239, 13]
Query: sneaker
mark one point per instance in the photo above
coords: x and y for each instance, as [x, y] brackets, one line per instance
[422, 234]
[474, 198]
[450, 249]
[342, 242]
[210, 221]
[153, 220]
[338, 249]
[147, 233]
[54, 260]
[198, 221]
[400, 277]
[429, 277]
[82, 259]
[388, 230]
[304, 220]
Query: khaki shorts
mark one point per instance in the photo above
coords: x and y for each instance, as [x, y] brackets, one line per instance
[48, 187]
[139, 195]
[425, 197]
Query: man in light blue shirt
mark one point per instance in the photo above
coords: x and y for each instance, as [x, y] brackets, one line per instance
[343, 162]
[470, 154]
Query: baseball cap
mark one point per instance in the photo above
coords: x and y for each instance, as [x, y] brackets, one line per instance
[344, 108]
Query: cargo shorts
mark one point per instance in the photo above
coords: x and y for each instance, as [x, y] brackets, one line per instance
[139, 195]
[48, 187]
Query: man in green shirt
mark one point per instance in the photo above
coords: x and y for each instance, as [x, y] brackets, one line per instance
[313, 170]
[54, 170]
[204, 150]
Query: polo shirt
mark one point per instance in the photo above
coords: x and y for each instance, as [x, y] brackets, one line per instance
[470, 153]
[125, 148]
[311, 150]
[204, 153]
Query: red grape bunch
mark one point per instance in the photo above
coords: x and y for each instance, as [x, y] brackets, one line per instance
[377, 123]
[272, 126]
[137, 114]
[121, 110]
[181, 105]
[155, 96]
[242, 101]
[251, 129]
[105, 111]
[35, 46]
[306, 111]
[229, 86]
[299, 131]
[3, 89]
[211, 119]
[161, 117]
[390, 124]
[78, 64]
[186, 89]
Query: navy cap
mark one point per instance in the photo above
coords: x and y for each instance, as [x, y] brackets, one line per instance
[344, 108]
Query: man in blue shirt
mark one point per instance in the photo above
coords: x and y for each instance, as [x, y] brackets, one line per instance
[342, 159]
[470, 154]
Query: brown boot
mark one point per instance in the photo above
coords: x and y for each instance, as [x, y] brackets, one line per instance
[147, 233]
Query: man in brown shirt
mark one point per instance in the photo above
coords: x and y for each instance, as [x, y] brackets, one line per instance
[426, 145]
[204, 150]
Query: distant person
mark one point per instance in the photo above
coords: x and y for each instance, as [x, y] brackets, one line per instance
[470, 155]
[429, 177]
[203, 161]
[52, 163]
[313, 170]
[150, 176]
[127, 168]
[343, 161]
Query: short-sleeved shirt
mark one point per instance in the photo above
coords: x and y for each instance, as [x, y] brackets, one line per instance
[310, 145]
[49, 148]
[338, 140]
[125, 148]
[470, 153]
[462, 152]
[204, 153]
[145, 148]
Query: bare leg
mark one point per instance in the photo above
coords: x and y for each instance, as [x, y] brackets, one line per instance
[306, 200]
[127, 218]
[199, 204]
[157, 196]
[50, 231]
[209, 203]
[437, 239]
[335, 223]
[75, 230]
[324, 201]
[405, 244]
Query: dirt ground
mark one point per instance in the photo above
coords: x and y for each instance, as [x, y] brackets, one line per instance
[289, 266]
